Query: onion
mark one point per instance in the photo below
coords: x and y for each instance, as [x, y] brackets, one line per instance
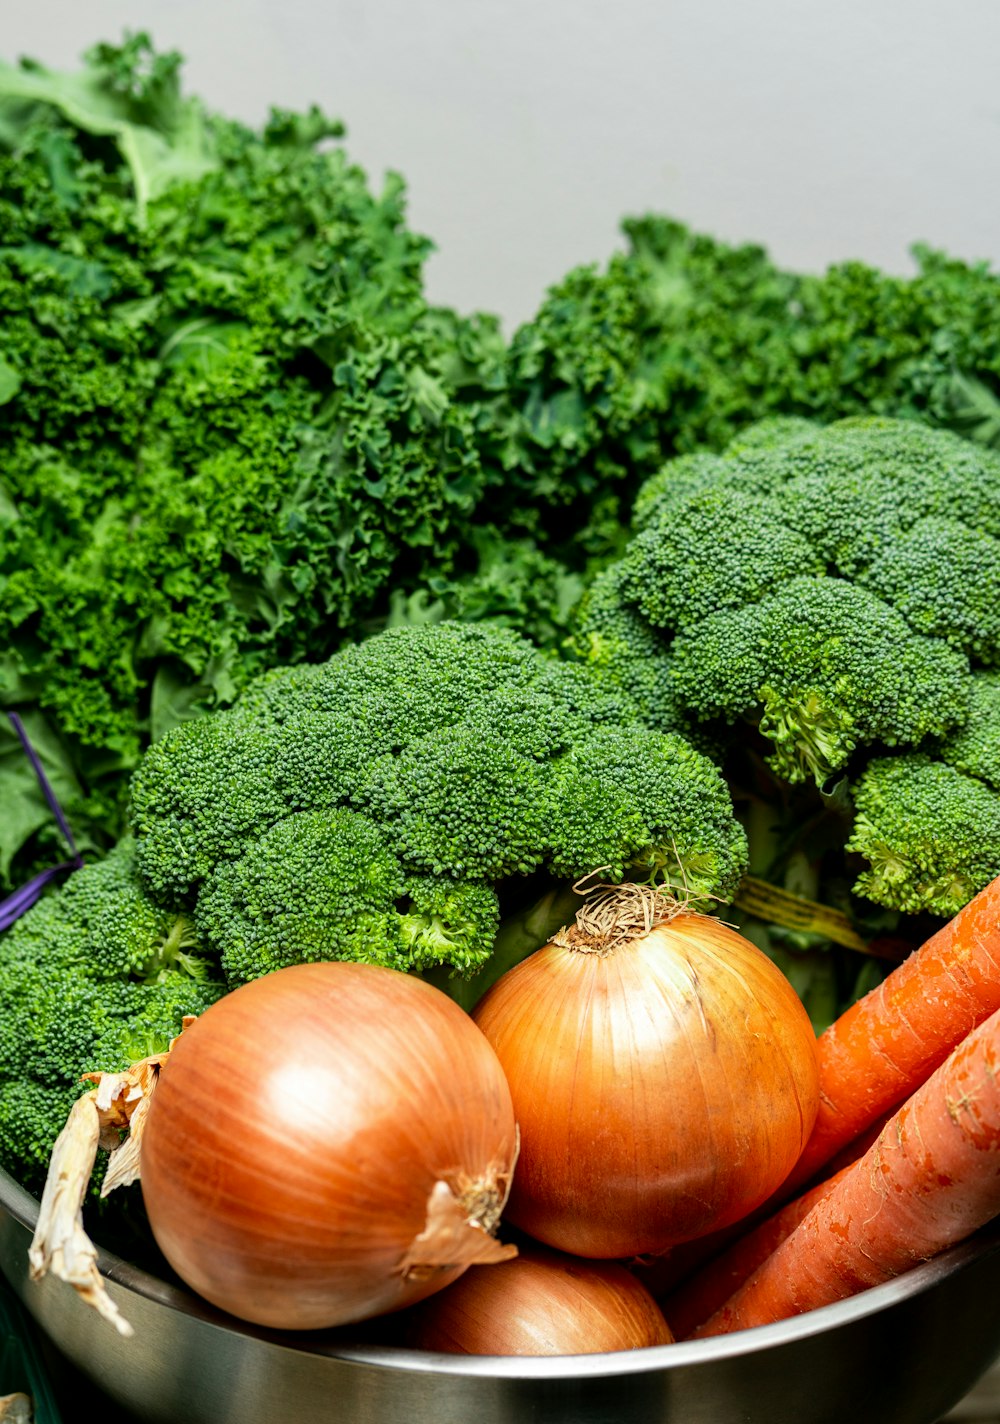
[542, 1303]
[664, 1079]
[327, 1143]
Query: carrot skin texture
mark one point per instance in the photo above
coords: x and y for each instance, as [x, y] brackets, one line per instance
[884, 1046]
[931, 1179]
[700, 1296]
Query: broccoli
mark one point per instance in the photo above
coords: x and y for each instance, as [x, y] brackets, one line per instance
[621, 649]
[389, 804]
[824, 667]
[316, 885]
[930, 834]
[975, 747]
[92, 978]
[816, 597]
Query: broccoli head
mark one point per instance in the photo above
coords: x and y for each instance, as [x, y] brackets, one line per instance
[930, 834]
[824, 667]
[819, 596]
[316, 885]
[402, 795]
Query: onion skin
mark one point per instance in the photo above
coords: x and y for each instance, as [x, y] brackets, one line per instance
[542, 1303]
[663, 1090]
[298, 1131]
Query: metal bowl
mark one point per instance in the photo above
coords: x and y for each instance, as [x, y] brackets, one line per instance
[906, 1351]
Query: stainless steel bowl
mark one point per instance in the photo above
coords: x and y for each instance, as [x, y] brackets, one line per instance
[904, 1352]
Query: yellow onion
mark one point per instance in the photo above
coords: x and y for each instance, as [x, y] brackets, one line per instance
[541, 1303]
[327, 1143]
[664, 1078]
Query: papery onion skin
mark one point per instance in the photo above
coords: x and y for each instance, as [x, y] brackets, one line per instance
[298, 1131]
[663, 1090]
[541, 1303]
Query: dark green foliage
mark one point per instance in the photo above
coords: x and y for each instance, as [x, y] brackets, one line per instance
[234, 432]
[681, 341]
[229, 418]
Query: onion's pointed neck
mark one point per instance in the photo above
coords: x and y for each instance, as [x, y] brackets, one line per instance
[459, 1228]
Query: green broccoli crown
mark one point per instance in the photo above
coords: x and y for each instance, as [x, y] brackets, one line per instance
[393, 793]
[826, 667]
[833, 591]
[930, 834]
[831, 585]
[305, 740]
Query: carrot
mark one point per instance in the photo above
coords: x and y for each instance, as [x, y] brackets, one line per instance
[931, 1179]
[698, 1298]
[887, 1044]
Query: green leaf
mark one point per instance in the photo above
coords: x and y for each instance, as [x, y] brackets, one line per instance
[25, 809]
[156, 160]
[175, 698]
[10, 382]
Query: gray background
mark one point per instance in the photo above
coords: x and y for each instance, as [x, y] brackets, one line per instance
[527, 128]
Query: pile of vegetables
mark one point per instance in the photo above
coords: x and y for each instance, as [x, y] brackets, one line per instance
[423, 703]
[235, 433]
[412, 1128]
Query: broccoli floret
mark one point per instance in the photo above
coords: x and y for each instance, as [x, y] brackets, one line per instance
[647, 805]
[685, 476]
[827, 667]
[975, 748]
[446, 921]
[720, 549]
[462, 802]
[92, 978]
[944, 578]
[930, 834]
[317, 885]
[201, 793]
[624, 651]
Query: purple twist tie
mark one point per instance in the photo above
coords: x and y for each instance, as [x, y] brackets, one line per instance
[15, 905]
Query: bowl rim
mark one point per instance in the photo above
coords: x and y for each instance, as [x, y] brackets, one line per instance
[19, 1204]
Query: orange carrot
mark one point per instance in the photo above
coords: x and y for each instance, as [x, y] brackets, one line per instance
[930, 1180]
[698, 1298]
[884, 1046]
